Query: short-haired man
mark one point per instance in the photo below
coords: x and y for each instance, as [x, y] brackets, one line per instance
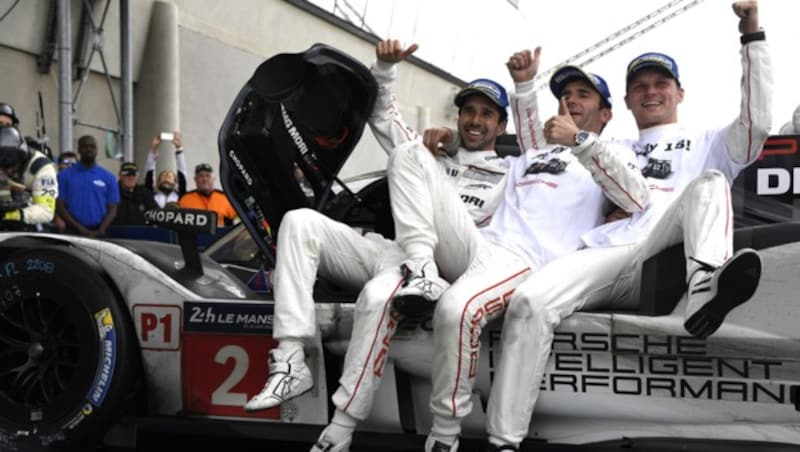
[689, 176]
[206, 197]
[311, 244]
[168, 185]
[551, 199]
[89, 193]
[66, 159]
[134, 200]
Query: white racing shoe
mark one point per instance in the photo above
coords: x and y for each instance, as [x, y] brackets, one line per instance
[286, 381]
[420, 290]
[432, 445]
[713, 294]
[326, 443]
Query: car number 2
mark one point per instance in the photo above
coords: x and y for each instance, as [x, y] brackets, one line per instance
[241, 361]
[221, 372]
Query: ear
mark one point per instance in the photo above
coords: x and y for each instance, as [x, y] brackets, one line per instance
[501, 128]
[627, 105]
[680, 94]
[605, 115]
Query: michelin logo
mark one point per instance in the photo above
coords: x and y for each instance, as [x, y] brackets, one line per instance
[108, 352]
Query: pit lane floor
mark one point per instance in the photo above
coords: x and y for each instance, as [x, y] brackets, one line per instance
[169, 434]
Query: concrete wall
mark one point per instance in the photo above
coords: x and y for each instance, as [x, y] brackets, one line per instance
[20, 84]
[219, 46]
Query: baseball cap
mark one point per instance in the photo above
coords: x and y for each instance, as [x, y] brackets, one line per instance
[128, 169]
[203, 167]
[488, 88]
[653, 60]
[565, 74]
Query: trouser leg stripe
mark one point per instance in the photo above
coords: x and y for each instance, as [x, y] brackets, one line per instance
[368, 360]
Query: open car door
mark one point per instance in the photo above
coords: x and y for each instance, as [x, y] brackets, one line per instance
[288, 133]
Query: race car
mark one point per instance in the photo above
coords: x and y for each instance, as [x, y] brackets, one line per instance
[101, 337]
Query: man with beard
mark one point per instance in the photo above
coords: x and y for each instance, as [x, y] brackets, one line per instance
[89, 193]
[169, 185]
[311, 244]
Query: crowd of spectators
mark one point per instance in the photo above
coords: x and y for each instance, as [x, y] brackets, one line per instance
[87, 199]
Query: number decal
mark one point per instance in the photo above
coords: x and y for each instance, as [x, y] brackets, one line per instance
[196, 314]
[158, 326]
[222, 395]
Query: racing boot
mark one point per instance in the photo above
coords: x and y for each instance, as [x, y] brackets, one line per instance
[714, 293]
[289, 377]
[434, 445]
[420, 290]
[327, 442]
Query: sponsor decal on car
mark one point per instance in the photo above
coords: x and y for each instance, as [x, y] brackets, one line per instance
[190, 218]
[661, 366]
[208, 317]
[224, 357]
[242, 170]
[108, 354]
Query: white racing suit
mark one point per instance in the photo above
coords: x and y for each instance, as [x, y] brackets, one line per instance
[311, 244]
[550, 200]
[39, 177]
[689, 177]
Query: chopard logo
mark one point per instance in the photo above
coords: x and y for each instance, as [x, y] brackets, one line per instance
[240, 167]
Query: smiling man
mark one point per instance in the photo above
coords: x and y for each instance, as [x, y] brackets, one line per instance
[689, 175]
[311, 244]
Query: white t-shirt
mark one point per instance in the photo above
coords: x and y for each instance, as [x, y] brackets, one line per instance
[550, 200]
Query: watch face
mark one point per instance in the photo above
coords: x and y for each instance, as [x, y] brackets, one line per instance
[580, 137]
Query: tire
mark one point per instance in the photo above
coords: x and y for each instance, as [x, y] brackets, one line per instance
[68, 356]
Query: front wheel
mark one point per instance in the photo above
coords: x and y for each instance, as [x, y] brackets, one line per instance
[67, 351]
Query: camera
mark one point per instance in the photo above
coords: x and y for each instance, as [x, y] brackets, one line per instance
[167, 136]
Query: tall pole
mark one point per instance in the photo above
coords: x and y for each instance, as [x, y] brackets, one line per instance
[127, 80]
[64, 77]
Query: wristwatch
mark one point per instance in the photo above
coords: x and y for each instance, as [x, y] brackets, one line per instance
[581, 137]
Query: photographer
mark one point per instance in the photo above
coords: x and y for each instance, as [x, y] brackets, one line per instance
[169, 186]
[28, 184]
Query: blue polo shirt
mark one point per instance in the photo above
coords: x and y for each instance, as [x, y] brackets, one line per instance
[87, 192]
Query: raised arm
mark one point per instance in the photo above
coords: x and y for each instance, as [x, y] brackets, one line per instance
[523, 66]
[150, 163]
[745, 137]
[180, 161]
[386, 122]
